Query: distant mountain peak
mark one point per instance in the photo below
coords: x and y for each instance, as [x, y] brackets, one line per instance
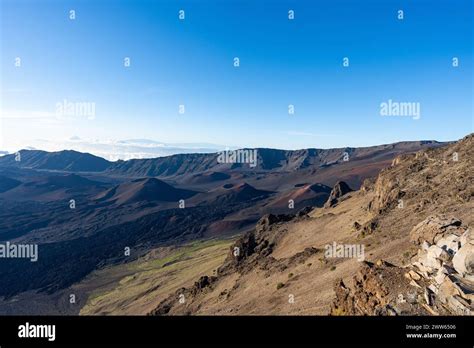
[64, 160]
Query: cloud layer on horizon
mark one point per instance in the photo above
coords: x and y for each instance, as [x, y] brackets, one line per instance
[114, 150]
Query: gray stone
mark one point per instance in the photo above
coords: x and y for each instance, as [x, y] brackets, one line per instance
[425, 245]
[467, 237]
[446, 290]
[459, 305]
[451, 243]
[433, 228]
[440, 277]
[431, 262]
[434, 251]
[463, 261]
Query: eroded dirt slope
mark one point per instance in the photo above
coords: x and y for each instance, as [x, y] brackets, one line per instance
[282, 267]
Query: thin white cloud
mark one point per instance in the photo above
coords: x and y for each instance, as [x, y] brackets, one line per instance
[124, 149]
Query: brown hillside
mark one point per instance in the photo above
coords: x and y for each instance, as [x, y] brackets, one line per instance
[281, 267]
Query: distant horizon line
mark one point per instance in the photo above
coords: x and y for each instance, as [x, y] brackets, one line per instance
[7, 153]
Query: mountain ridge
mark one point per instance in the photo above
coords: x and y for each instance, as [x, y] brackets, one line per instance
[192, 163]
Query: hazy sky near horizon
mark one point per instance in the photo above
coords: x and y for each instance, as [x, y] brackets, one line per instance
[190, 62]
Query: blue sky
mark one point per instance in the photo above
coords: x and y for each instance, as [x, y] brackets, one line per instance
[190, 62]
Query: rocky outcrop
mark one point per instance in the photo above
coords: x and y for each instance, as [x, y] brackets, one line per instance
[302, 256]
[435, 227]
[387, 192]
[427, 179]
[438, 281]
[270, 219]
[378, 289]
[339, 190]
[446, 262]
[367, 185]
[183, 295]
[402, 158]
[305, 211]
[440, 276]
[255, 246]
[367, 228]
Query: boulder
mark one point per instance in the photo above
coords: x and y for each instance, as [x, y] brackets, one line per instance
[430, 261]
[451, 243]
[467, 237]
[446, 290]
[433, 228]
[463, 261]
[434, 251]
[203, 282]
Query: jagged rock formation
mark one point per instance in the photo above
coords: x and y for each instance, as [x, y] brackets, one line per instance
[182, 294]
[446, 262]
[440, 279]
[254, 249]
[432, 177]
[379, 289]
[339, 190]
